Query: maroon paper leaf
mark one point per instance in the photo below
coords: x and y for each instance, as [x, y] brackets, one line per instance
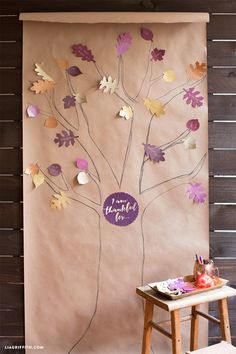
[157, 54]
[65, 138]
[54, 169]
[193, 97]
[74, 71]
[154, 153]
[123, 43]
[69, 101]
[146, 34]
[82, 52]
[193, 124]
[197, 192]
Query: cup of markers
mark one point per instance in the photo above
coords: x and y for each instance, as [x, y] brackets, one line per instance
[205, 272]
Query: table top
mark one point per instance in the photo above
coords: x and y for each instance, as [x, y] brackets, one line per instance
[171, 305]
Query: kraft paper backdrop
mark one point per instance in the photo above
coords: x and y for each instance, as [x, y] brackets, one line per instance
[81, 271]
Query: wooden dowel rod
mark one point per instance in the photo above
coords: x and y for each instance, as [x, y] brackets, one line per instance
[183, 319]
[160, 329]
[208, 317]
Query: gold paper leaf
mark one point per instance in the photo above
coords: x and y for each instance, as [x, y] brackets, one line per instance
[42, 86]
[169, 75]
[38, 179]
[154, 106]
[59, 201]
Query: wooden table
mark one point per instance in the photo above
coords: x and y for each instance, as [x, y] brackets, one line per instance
[174, 307]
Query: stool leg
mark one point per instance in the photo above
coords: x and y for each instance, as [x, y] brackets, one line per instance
[194, 329]
[176, 332]
[147, 329]
[224, 320]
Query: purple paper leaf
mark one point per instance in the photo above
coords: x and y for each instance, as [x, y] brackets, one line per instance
[154, 153]
[65, 138]
[69, 101]
[197, 192]
[54, 169]
[193, 97]
[74, 71]
[193, 124]
[32, 111]
[82, 164]
[123, 43]
[82, 52]
[157, 54]
[146, 34]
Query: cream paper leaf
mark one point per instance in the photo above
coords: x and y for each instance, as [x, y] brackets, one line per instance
[80, 98]
[38, 179]
[59, 201]
[83, 178]
[126, 112]
[108, 85]
[189, 143]
[154, 106]
[42, 73]
[169, 75]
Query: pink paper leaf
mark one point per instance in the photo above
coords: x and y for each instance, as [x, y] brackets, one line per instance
[32, 111]
[197, 192]
[82, 164]
[123, 43]
[193, 97]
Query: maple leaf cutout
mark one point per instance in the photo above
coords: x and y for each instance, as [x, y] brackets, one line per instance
[42, 73]
[197, 192]
[154, 106]
[126, 112]
[196, 72]
[108, 85]
[42, 86]
[59, 201]
[154, 153]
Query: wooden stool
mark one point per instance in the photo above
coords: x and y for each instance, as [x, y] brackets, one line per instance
[220, 348]
[174, 307]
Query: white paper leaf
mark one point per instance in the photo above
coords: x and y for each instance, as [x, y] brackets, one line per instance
[189, 143]
[42, 73]
[108, 85]
[38, 179]
[126, 112]
[83, 178]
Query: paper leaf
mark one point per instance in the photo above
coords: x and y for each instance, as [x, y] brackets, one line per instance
[146, 34]
[63, 64]
[32, 169]
[42, 86]
[126, 112]
[54, 169]
[32, 111]
[74, 71]
[197, 71]
[59, 201]
[193, 124]
[124, 41]
[42, 73]
[169, 75]
[189, 143]
[154, 106]
[69, 101]
[38, 179]
[82, 178]
[82, 52]
[66, 138]
[82, 164]
[154, 153]
[157, 54]
[80, 98]
[51, 122]
[108, 85]
[192, 97]
[197, 192]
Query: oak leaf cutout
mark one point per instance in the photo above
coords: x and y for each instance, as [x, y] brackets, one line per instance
[42, 73]
[154, 106]
[197, 71]
[59, 201]
[108, 85]
[42, 86]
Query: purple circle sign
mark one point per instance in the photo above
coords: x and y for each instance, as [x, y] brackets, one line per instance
[120, 209]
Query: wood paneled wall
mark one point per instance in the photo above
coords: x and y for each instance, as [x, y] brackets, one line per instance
[222, 143]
